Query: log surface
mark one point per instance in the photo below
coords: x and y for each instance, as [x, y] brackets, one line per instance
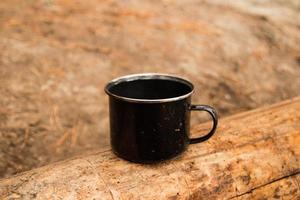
[253, 155]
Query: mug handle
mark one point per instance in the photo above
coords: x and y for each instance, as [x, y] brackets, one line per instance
[213, 114]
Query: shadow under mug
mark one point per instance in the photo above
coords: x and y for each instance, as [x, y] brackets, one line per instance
[150, 116]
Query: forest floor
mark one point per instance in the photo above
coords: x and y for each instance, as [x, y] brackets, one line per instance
[56, 57]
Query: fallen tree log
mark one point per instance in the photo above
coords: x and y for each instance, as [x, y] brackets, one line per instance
[255, 154]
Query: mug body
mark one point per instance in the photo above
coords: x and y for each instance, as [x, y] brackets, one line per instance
[149, 132]
[149, 117]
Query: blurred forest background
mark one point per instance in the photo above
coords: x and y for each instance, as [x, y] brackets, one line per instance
[57, 55]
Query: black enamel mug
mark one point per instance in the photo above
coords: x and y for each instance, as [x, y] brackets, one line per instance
[150, 116]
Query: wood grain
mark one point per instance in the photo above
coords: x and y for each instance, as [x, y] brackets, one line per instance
[254, 155]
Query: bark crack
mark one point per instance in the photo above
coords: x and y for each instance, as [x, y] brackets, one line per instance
[295, 173]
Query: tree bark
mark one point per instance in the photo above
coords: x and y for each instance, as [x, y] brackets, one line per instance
[253, 155]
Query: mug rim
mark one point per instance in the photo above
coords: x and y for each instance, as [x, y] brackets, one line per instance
[148, 76]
